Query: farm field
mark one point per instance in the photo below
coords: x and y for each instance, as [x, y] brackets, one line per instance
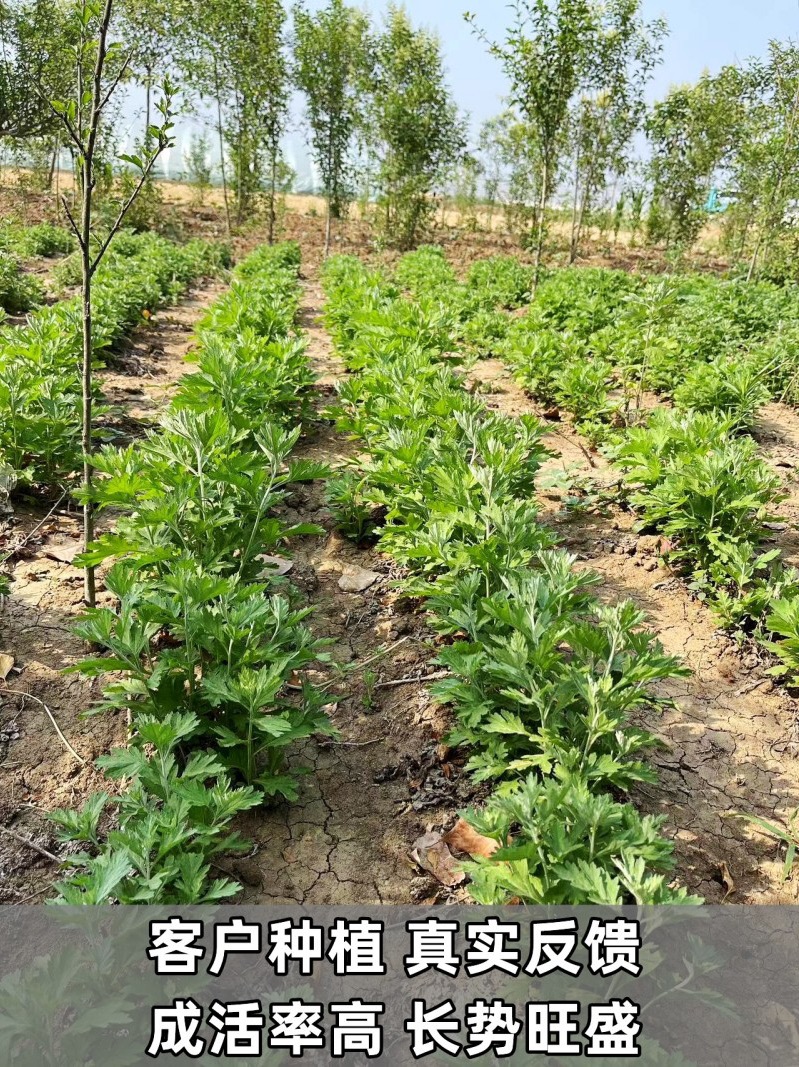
[378, 684]
[431, 539]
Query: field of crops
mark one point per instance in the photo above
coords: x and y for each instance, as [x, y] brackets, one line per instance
[419, 581]
[409, 515]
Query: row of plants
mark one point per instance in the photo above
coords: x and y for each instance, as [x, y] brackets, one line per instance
[594, 342]
[40, 386]
[20, 291]
[543, 679]
[42, 239]
[204, 637]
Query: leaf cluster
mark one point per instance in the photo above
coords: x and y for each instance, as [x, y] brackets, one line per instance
[202, 644]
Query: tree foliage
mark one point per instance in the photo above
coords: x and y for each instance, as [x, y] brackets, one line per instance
[414, 125]
[543, 55]
[329, 68]
[508, 151]
[691, 133]
[235, 55]
[763, 170]
[36, 38]
[611, 108]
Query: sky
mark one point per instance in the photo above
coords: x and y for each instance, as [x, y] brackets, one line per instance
[703, 35]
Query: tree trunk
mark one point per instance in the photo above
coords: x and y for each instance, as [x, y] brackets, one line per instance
[575, 240]
[148, 104]
[272, 194]
[53, 162]
[221, 137]
[542, 204]
[328, 225]
[86, 381]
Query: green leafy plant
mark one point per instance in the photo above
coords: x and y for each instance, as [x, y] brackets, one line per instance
[733, 388]
[18, 291]
[199, 650]
[40, 383]
[783, 621]
[42, 239]
[348, 500]
[170, 825]
[562, 844]
[547, 678]
[789, 837]
[705, 490]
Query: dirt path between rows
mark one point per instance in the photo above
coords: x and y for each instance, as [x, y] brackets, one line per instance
[386, 780]
[37, 772]
[731, 744]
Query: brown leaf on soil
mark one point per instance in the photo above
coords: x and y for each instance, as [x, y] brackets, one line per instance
[727, 879]
[63, 553]
[466, 839]
[6, 663]
[433, 856]
[275, 565]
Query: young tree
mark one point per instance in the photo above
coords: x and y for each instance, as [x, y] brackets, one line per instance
[510, 159]
[99, 69]
[329, 68]
[273, 105]
[611, 106]
[763, 170]
[544, 54]
[416, 128]
[234, 54]
[692, 133]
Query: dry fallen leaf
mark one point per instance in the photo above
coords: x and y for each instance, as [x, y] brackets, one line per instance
[432, 855]
[6, 663]
[466, 839]
[63, 553]
[275, 565]
[727, 879]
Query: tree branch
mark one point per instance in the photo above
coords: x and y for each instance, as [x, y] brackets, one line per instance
[123, 211]
[110, 92]
[73, 224]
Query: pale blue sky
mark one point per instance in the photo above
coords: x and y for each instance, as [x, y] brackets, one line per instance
[702, 34]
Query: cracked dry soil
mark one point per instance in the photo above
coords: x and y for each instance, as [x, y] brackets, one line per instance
[386, 780]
